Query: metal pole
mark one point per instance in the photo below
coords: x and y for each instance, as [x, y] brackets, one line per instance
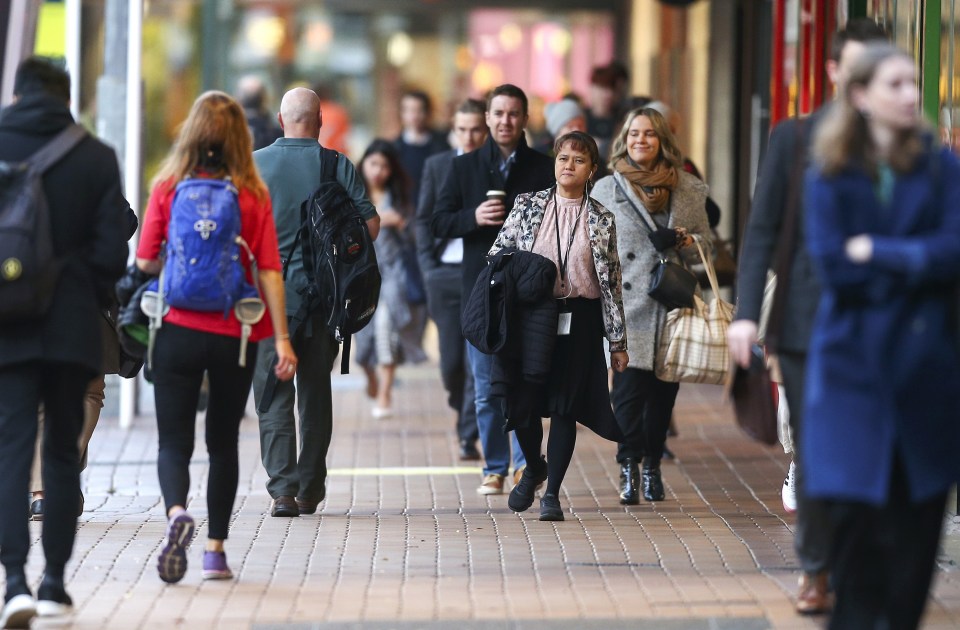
[73, 56]
[131, 164]
[20, 35]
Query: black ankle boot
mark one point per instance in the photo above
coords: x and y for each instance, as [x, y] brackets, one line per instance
[629, 482]
[652, 483]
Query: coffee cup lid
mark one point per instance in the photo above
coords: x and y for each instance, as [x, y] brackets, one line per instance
[496, 192]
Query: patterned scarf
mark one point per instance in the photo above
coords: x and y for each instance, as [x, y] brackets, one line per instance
[652, 187]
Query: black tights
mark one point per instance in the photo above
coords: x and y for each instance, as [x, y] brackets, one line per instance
[563, 437]
[180, 358]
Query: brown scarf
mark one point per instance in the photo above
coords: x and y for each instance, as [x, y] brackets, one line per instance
[652, 187]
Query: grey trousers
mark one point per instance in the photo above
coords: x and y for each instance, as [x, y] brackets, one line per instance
[304, 475]
[813, 536]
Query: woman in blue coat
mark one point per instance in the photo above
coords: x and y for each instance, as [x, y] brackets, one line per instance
[883, 392]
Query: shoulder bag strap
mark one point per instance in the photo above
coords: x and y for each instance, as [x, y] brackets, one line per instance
[53, 151]
[642, 218]
[788, 239]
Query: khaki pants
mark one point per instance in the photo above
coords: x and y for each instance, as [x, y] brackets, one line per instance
[92, 404]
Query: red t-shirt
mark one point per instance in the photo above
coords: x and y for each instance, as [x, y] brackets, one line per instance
[256, 228]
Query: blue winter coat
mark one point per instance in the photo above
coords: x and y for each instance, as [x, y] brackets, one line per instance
[883, 373]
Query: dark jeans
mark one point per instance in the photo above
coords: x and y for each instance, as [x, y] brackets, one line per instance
[60, 387]
[883, 558]
[290, 474]
[443, 301]
[180, 358]
[812, 531]
[642, 404]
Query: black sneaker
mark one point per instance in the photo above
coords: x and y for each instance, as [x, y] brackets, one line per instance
[550, 509]
[52, 599]
[522, 495]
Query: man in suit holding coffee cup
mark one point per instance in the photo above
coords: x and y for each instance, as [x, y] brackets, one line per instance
[473, 204]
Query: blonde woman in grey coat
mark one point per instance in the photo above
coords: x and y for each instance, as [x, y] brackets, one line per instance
[659, 209]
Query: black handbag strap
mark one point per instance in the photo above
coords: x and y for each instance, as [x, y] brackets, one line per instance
[637, 210]
[788, 239]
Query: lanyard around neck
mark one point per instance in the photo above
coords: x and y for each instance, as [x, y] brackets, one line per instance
[564, 260]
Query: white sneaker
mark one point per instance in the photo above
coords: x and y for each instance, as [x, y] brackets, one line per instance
[788, 494]
[18, 612]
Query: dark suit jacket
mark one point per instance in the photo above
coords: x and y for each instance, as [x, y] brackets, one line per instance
[465, 188]
[763, 234]
[90, 221]
[435, 171]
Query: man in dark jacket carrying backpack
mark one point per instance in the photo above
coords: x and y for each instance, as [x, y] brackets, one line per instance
[291, 169]
[50, 358]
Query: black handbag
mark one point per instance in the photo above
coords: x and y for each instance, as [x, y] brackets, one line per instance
[671, 284]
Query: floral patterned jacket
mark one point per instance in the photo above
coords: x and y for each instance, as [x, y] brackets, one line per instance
[520, 230]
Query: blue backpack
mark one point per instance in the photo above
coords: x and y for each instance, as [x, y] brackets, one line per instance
[202, 270]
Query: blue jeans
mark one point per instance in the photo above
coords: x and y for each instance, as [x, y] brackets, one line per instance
[490, 420]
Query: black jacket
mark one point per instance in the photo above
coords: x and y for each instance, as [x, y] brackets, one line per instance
[511, 314]
[762, 236]
[465, 188]
[429, 247]
[90, 224]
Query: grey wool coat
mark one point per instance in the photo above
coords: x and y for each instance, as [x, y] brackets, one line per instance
[644, 315]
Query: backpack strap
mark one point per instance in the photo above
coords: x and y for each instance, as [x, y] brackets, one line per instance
[54, 150]
[328, 164]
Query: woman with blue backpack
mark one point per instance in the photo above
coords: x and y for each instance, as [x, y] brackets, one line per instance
[209, 234]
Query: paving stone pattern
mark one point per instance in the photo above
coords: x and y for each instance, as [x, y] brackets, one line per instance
[403, 541]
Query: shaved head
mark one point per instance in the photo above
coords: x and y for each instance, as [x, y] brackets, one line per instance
[300, 113]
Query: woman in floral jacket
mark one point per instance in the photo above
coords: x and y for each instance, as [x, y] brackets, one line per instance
[565, 225]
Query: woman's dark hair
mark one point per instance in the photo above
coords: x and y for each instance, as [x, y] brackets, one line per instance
[579, 141]
[399, 182]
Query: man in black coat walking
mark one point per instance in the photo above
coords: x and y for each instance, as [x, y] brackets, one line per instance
[781, 176]
[504, 163]
[52, 358]
[440, 261]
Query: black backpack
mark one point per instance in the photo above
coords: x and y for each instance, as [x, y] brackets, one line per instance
[343, 279]
[28, 267]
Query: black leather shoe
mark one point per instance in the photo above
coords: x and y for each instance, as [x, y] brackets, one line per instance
[36, 510]
[285, 506]
[522, 495]
[652, 483]
[468, 451]
[550, 509]
[629, 482]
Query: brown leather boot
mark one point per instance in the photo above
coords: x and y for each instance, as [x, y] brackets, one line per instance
[813, 597]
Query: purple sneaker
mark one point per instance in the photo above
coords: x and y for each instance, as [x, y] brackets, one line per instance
[215, 566]
[172, 562]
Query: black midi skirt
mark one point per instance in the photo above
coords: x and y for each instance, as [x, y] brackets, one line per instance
[577, 388]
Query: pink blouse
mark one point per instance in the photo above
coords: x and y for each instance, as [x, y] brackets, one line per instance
[581, 273]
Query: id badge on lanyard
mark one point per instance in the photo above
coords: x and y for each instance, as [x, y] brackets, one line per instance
[565, 319]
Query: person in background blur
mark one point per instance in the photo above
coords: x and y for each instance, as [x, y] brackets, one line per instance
[335, 127]
[880, 439]
[562, 117]
[252, 96]
[601, 115]
[441, 261]
[394, 336]
[417, 140]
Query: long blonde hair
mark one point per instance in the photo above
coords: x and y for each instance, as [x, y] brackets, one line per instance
[216, 123]
[843, 138]
[669, 148]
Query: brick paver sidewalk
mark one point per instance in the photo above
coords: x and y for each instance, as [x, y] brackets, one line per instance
[404, 541]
